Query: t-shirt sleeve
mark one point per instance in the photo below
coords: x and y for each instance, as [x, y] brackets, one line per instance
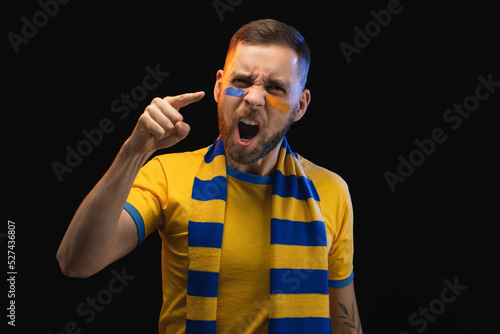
[148, 198]
[340, 257]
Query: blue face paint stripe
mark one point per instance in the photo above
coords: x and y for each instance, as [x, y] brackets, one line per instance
[236, 92]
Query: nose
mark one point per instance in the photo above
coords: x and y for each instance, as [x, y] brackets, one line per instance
[255, 97]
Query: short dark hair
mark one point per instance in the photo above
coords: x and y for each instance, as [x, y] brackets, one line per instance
[272, 32]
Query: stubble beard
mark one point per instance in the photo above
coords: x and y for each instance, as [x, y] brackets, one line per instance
[263, 145]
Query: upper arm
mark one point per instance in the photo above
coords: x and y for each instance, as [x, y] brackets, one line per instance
[126, 237]
[344, 310]
[142, 212]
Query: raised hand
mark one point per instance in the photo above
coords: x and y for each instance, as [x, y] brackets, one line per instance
[161, 125]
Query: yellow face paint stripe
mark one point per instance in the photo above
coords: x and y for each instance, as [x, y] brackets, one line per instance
[278, 104]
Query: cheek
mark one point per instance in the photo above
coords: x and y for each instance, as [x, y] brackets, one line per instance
[232, 97]
[230, 100]
[278, 104]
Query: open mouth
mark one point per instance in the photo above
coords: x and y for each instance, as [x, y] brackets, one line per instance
[248, 128]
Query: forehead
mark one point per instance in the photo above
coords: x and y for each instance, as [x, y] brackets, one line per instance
[264, 61]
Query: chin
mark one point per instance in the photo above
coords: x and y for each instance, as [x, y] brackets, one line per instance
[249, 152]
[246, 145]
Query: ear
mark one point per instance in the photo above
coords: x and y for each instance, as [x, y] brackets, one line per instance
[304, 100]
[218, 85]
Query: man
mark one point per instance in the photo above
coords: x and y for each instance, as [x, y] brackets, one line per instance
[256, 239]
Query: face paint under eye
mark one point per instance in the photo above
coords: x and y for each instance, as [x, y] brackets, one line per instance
[278, 104]
[236, 92]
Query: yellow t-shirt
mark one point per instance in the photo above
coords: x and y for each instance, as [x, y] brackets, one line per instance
[161, 199]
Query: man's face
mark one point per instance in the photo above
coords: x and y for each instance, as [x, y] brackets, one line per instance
[259, 97]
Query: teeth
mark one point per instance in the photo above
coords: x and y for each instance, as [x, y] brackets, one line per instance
[249, 121]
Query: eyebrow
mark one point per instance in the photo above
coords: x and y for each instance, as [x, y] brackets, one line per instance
[240, 75]
[278, 82]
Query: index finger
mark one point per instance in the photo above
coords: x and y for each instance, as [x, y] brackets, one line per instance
[183, 100]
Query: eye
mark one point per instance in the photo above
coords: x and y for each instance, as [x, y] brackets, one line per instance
[240, 83]
[276, 89]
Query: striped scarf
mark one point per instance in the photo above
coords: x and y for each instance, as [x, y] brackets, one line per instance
[298, 255]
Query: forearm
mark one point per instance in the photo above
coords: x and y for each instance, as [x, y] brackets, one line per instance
[347, 321]
[86, 246]
[344, 311]
[98, 234]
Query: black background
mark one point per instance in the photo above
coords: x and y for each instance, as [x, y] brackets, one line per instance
[440, 224]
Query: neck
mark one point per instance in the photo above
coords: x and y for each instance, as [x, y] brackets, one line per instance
[263, 167]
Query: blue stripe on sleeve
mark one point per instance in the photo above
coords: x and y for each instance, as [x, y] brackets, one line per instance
[341, 283]
[139, 222]
[311, 233]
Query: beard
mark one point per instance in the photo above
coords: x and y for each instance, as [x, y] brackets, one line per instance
[264, 144]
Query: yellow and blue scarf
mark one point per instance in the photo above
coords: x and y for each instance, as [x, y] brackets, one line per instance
[298, 256]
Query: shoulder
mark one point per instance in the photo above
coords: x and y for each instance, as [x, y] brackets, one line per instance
[328, 184]
[182, 162]
[172, 166]
[334, 197]
[189, 157]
